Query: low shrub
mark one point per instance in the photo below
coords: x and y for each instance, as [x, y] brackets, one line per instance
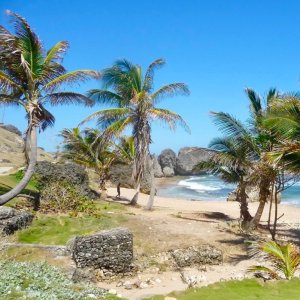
[41, 281]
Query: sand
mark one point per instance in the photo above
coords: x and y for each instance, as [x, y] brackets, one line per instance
[162, 225]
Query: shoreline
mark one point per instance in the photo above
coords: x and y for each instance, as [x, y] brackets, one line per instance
[230, 208]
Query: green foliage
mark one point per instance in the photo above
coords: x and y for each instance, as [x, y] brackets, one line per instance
[285, 259]
[24, 280]
[62, 196]
[244, 290]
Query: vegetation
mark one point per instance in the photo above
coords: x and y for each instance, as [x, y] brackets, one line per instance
[32, 79]
[285, 259]
[132, 94]
[90, 149]
[246, 290]
[58, 229]
[19, 280]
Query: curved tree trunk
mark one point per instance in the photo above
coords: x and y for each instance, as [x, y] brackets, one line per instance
[135, 198]
[32, 135]
[259, 212]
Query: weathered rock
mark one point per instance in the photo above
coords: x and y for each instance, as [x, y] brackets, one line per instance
[205, 254]
[109, 250]
[187, 159]
[252, 193]
[84, 275]
[167, 161]
[11, 220]
[168, 172]
[158, 173]
[6, 212]
[47, 172]
[122, 173]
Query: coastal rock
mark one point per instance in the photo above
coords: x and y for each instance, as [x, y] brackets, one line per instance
[158, 173]
[167, 161]
[201, 255]
[252, 193]
[122, 173]
[11, 220]
[168, 172]
[188, 157]
[110, 251]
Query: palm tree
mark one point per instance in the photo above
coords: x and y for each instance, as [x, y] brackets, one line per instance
[135, 103]
[31, 78]
[88, 149]
[285, 259]
[232, 162]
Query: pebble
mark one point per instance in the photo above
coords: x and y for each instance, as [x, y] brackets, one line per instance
[143, 285]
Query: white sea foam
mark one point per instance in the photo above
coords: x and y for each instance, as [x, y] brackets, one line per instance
[200, 187]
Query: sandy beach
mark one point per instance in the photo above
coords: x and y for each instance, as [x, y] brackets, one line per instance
[163, 224]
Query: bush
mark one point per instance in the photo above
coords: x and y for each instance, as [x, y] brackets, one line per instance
[64, 197]
[40, 281]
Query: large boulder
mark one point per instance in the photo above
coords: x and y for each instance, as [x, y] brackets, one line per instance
[187, 159]
[108, 250]
[167, 161]
[122, 173]
[252, 193]
[158, 173]
[73, 174]
[11, 220]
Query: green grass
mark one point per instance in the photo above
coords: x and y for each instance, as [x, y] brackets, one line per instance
[237, 290]
[57, 230]
[9, 181]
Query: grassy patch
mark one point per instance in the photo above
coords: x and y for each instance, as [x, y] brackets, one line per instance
[57, 230]
[246, 290]
[9, 181]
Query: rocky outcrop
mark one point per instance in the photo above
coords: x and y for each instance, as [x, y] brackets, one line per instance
[110, 250]
[201, 255]
[122, 173]
[167, 161]
[187, 159]
[73, 174]
[11, 128]
[11, 220]
[252, 193]
[157, 168]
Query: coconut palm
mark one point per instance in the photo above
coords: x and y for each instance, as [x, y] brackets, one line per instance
[32, 78]
[135, 103]
[232, 162]
[88, 149]
[285, 259]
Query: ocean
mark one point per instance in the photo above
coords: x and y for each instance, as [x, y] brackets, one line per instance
[210, 187]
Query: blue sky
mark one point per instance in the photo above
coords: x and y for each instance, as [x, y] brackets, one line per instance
[217, 47]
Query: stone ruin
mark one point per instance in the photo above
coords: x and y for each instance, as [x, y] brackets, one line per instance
[110, 251]
[11, 220]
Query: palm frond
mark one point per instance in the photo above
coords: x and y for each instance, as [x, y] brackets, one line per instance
[62, 98]
[169, 117]
[71, 78]
[56, 52]
[105, 97]
[148, 79]
[170, 90]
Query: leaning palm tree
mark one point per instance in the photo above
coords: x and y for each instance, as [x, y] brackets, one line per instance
[32, 78]
[135, 103]
[90, 150]
[232, 162]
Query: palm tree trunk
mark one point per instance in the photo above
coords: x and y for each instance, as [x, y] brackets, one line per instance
[259, 212]
[135, 198]
[32, 135]
[152, 189]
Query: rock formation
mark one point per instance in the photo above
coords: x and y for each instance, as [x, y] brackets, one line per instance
[11, 220]
[167, 161]
[188, 157]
